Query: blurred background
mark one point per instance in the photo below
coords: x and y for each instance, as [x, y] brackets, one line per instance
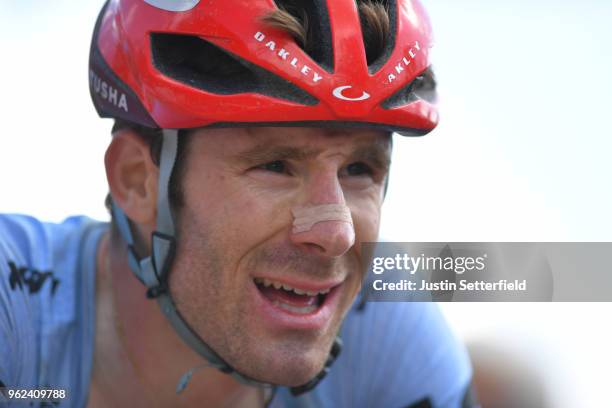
[522, 154]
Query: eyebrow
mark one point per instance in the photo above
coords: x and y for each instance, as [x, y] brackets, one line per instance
[264, 153]
[377, 154]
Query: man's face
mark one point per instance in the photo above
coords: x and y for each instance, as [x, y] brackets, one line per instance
[235, 230]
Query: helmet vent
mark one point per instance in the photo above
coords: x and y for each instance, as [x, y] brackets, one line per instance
[379, 28]
[308, 22]
[422, 88]
[200, 64]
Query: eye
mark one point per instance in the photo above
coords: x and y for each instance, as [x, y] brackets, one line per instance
[358, 169]
[276, 166]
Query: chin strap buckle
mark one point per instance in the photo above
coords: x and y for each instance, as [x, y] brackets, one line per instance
[156, 291]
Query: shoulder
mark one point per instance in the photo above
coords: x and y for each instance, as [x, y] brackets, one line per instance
[396, 354]
[31, 236]
[38, 266]
[38, 255]
[39, 245]
[18, 323]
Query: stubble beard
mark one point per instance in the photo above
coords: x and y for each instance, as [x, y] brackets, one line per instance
[212, 301]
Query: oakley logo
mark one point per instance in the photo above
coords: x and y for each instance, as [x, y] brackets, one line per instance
[284, 55]
[173, 5]
[404, 63]
[338, 94]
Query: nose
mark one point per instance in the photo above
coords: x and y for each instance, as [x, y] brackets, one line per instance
[324, 225]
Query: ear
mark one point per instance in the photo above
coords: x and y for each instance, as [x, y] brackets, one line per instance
[132, 177]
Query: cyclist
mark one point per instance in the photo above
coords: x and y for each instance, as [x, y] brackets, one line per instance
[249, 161]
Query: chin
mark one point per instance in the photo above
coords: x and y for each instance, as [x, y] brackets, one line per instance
[292, 374]
[287, 366]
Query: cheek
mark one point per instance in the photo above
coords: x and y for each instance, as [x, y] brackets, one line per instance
[235, 215]
[366, 218]
[366, 226]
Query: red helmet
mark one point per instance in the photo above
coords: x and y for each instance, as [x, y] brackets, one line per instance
[150, 60]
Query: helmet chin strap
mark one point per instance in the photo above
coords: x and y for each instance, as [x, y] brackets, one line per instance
[153, 272]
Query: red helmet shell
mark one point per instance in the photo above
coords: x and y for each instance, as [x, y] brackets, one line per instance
[125, 83]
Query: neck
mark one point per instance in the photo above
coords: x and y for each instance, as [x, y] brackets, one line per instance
[138, 357]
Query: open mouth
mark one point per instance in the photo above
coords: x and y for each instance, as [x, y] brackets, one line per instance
[293, 300]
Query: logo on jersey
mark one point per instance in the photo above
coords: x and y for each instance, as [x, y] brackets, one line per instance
[338, 93]
[33, 279]
[173, 5]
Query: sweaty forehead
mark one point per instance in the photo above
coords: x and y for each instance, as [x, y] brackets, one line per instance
[235, 140]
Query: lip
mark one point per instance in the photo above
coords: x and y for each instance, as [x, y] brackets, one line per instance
[309, 286]
[281, 319]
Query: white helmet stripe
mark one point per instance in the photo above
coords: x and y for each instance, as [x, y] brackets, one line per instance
[173, 5]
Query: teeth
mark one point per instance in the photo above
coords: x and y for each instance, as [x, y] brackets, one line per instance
[278, 285]
[295, 309]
